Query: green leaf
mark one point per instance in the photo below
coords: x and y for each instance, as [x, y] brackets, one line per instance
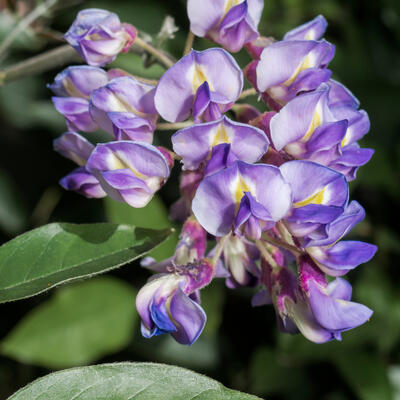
[61, 252]
[144, 381]
[366, 375]
[154, 215]
[78, 325]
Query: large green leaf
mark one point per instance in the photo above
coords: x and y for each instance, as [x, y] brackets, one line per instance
[61, 252]
[154, 215]
[77, 326]
[128, 381]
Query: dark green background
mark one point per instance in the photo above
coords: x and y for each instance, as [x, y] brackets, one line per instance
[244, 349]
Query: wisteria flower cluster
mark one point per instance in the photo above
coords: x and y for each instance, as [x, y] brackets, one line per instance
[270, 188]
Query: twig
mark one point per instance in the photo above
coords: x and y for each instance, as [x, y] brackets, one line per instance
[43, 62]
[189, 43]
[24, 23]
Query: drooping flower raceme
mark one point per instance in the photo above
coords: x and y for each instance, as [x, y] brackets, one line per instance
[231, 23]
[98, 36]
[267, 185]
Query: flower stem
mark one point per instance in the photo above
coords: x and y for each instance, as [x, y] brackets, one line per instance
[265, 253]
[166, 126]
[160, 56]
[219, 249]
[247, 93]
[43, 62]
[189, 43]
[279, 243]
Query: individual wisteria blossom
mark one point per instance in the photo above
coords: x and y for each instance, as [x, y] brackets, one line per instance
[125, 108]
[205, 83]
[236, 198]
[231, 23]
[263, 191]
[321, 311]
[319, 195]
[98, 36]
[72, 88]
[78, 149]
[128, 171]
[308, 127]
[195, 143]
[169, 302]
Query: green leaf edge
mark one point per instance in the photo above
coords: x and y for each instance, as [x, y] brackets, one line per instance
[166, 232]
[138, 364]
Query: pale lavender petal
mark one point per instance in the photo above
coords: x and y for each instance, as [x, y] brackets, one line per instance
[78, 81]
[76, 113]
[312, 30]
[83, 182]
[73, 146]
[340, 95]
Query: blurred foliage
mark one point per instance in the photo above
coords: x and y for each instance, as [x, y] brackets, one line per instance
[241, 346]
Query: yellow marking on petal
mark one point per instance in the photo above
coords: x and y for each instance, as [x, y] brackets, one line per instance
[221, 136]
[199, 77]
[345, 140]
[229, 4]
[241, 187]
[316, 198]
[118, 162]
[72, 90]
[307, 63]
[315, 123]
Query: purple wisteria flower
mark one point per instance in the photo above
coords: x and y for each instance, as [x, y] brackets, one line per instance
[334, 256]
[243, 197]
[73, 87]
[231, 23]
[128, 171]
[125, 108]
[320, 195]
[206, 83]
[289, 67]
[268, 186]
[169, 302]
[98, 36]
[319, 126]
[321, 311]
[195, 143]
[78, 149]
